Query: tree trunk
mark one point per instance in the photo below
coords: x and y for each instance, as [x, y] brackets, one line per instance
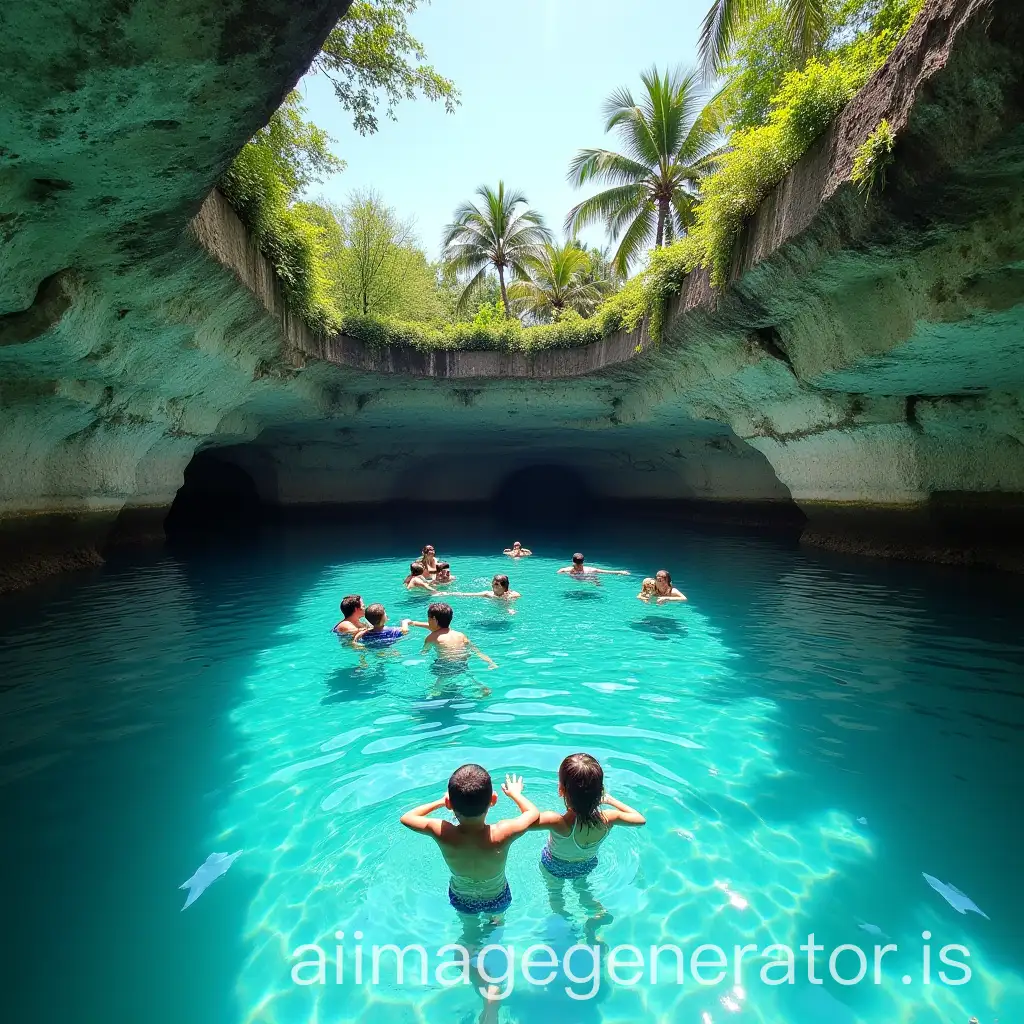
[659, 239]
[504, 293]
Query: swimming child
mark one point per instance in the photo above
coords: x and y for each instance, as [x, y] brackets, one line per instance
[379, 633]
[664, 589]
[450, 643]
[443, 574]
[352, 620]
[647, 589]
[581, 571]
[517, 551]
[475, 851]
[574, 837]
[499, 590]
[416, 578]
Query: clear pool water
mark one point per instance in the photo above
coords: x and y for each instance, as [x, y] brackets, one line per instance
[807, 736]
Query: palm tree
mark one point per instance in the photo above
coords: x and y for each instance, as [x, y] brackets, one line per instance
[807, 23]
[558, 281]
[670, 145]
[493, 234]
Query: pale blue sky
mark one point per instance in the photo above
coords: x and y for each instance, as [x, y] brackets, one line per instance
[533, 75]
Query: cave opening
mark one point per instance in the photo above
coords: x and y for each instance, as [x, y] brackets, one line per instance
[216, 497]
[545, 492]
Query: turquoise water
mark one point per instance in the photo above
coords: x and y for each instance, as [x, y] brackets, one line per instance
[806, 737]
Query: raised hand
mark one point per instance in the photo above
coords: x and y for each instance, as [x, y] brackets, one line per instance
[513, 786]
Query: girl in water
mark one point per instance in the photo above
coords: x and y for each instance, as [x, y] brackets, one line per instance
[575, 835]
[428, 559]
[647, 589]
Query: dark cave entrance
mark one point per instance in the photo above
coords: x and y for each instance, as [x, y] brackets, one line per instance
[550, 493]
[216, 497]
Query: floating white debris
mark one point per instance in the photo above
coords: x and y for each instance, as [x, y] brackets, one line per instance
[209, 871]
[954, 897]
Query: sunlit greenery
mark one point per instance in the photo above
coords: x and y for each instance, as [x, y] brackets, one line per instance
[669, 143]
[499, 232]
[679, 184]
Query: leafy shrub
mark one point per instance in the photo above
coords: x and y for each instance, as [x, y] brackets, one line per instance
[872, 158]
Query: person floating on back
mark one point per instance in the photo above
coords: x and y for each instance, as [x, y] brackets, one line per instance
[379, 633]
[474, 850]
[452, 646]
[581, 571]
[352, 620]
[664, 590]
[575, 835]
[499, 591]
[517, 551]
[416, 579]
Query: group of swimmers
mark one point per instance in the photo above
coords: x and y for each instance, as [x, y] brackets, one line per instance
[367, 626]
[474, 850]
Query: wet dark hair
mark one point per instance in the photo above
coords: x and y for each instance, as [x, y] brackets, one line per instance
[443, 565]
[666, 574]
[375, 614]
[416, 568]
[349, 604]
[442, 614]
[502, 579]
[470, 789]
[582, 781]
[423, 550]
[577, 559]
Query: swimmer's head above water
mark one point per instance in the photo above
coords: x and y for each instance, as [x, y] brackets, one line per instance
[415, 568]
[499, 585]
[439, 615]
[581, 785]
[470, 792]
[376, 615]
[444, 573]
[577, 561]
[350, 604]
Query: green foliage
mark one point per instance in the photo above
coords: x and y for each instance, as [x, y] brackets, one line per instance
[491, 330]
[872, 158]
[669, 144]
[316, 250]
[560, 279]
[262, 185]
[494, 234]
[371, 53]
[759, 157]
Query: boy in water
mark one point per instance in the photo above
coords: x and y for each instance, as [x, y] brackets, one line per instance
[517, 551]
[475, 851]
[416, 578]
[443, 574]
[352, 620]
[379, 633]
[452, 646]
[499, 590]
[581, 571]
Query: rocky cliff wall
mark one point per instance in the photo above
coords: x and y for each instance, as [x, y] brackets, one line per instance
[866, 360]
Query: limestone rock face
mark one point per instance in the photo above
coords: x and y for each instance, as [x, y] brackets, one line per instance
[116, 119]
[866, 361]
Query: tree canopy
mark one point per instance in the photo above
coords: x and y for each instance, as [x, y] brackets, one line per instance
[669, 143]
